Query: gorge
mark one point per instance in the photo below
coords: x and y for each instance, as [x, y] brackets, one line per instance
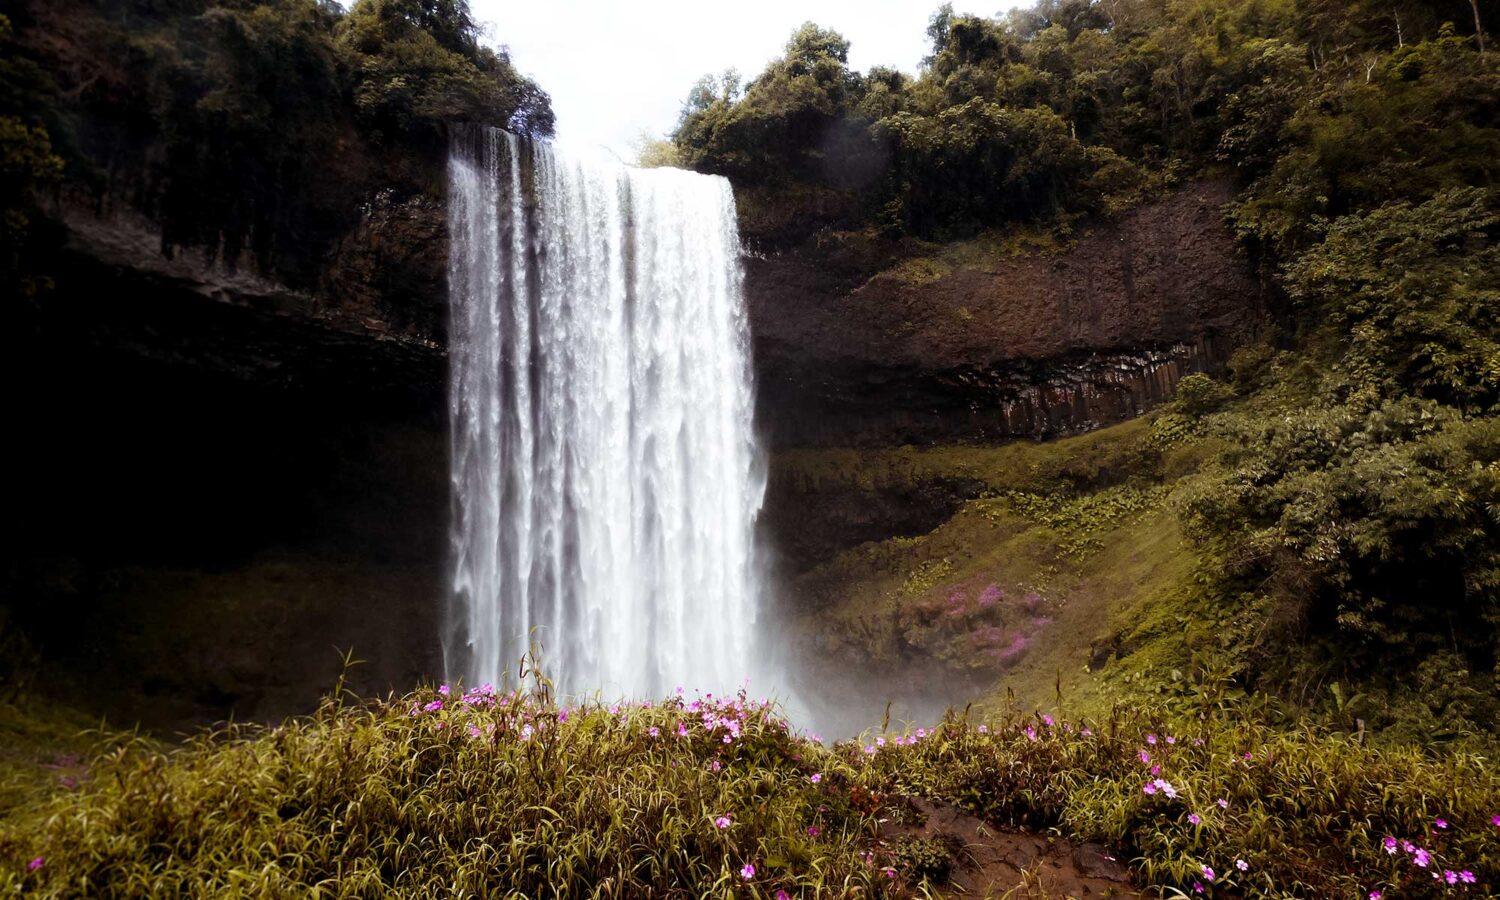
[1086, 442]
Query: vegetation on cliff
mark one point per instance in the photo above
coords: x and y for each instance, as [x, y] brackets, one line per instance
[1343, 503]
[246, 128]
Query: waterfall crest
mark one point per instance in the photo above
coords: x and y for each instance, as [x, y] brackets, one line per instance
[604, 469]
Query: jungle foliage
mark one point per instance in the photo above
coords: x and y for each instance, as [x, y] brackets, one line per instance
[1353, 494]
[247, 127]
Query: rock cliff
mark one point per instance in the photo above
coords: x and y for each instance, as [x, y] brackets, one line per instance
[982, 343]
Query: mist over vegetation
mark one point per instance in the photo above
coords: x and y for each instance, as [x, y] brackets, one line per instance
[1349, 501]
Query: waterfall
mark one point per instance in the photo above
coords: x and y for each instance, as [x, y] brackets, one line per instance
[605, 474]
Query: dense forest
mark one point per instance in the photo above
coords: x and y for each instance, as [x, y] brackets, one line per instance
[243, 127]
[1349, 498]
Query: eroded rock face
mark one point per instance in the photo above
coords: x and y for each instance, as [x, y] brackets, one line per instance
[1002, 346]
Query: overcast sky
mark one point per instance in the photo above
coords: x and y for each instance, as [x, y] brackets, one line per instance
[616, 68]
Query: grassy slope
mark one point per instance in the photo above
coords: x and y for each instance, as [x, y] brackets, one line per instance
[1077, 537]
[431, 796]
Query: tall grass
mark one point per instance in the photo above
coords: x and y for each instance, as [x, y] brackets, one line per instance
[442, 793]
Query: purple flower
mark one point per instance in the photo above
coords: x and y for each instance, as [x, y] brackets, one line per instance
[1030, 733]
[714, 766]
[1048, 719]
[1421, 858]
[921, 732]
[816, 777]
[1376, 895]
[1495, 821]
[1151, 739]
[722, 822]
[444, 689]
[1149, 788]
[1086, 732]
[562, 716]
[434, 706]
[1197, 887]
[1143, 756]
[1223, 804]
[36, 864]
[747, 871]
[1467, 877]
[1450, 876]
[812, 831]
[1242, 865]
[1193, 818]
[1208, 874]
[1166, 787]
[984, 729]
[653, 731]
[1440, 822]
[783, 895]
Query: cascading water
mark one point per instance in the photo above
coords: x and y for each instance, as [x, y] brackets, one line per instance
[605, 474]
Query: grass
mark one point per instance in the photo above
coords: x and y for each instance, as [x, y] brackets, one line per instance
[1069, 549]
[510, 794]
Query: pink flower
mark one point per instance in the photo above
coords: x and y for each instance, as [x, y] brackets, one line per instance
[747, 871]
[653, 731]
[1467, 877]
[1242, 865]
[1030, 733]
[1048, 719]
[1495, 821]
[1156, 770]
[783, 895]
[1390, 845]
[434, 706]
[1197, 887]
[816, 777]
[1450, 876]
[1149, 788]
[921, 732]
[984, 729]
[1440, 822]
[722, 822]
[1376, 895]
[1421, 858]
[1171, 740]
[1193, 818]
[812, 831]
[714, 766]
[1086, 732]
[1208, 874]
[1223, 804]
[1143, 756]
[728, 739]
[36, 864]
[1151, 739]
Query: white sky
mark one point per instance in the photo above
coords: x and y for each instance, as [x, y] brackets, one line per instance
[616, 68]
